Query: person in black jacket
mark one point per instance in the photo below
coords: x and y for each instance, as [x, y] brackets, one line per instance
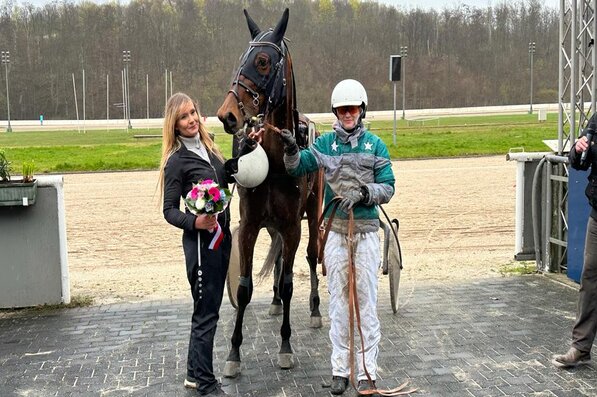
[189, 155]
[583, 333]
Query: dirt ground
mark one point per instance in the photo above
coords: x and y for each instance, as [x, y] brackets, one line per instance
[456, 217]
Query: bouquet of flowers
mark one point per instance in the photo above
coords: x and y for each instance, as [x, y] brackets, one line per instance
[206, 197]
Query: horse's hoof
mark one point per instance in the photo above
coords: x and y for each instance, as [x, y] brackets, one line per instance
[231, 369]
[275, 310]
[286, 360]
[315, 322]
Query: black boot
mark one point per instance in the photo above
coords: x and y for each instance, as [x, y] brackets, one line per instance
[365, 385]
[339, 384]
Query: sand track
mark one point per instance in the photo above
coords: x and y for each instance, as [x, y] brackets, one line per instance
[456, 217]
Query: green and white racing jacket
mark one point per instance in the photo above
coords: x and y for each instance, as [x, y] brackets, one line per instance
[362, 160]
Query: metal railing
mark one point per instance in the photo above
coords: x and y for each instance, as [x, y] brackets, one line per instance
[550, 226]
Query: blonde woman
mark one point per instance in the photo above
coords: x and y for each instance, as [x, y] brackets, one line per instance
[189, 156]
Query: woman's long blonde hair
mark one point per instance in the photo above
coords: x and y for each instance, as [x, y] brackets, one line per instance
[170, 141]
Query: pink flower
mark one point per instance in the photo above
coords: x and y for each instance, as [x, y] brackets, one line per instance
[194, 193]
[207, 182]
[215, 193]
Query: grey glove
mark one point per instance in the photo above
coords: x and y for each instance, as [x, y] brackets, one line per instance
[350, 199]
[290, 146]
[354, 197]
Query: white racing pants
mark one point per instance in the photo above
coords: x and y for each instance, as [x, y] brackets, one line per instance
[367, 262]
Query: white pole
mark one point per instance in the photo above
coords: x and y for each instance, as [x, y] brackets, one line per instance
[84, 100]
[147, 96]
[394, 135]
[123, 97]
[165, 87]
[403, 89]
[170, 83]
[128, 95]
[107, 98]
[126, 92]
[76, 104]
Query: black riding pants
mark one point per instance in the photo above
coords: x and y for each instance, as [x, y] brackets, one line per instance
[583, 333]
[207, 281]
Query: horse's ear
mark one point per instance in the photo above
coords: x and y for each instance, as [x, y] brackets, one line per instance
[280, 29]
[253, 28]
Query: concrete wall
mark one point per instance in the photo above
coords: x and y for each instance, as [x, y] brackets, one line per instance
[33, 251]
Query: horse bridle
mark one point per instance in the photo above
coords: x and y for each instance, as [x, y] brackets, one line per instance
[269, 86]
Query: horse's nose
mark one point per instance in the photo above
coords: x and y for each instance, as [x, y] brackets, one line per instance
[229, 122]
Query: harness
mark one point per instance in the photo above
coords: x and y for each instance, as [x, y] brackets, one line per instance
[273, 85]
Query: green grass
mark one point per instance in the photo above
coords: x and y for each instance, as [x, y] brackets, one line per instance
[109, 150]
[518, 268]
[467, 136]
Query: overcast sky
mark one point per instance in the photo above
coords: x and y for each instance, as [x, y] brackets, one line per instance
[425, 4]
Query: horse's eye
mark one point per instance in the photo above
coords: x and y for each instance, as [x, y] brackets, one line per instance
[262, 63]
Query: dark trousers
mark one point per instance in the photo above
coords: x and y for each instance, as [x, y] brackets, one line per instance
[207, 287]
[584, 330]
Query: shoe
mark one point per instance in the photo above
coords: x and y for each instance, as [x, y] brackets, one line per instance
[217, 391]
[339, 384]
[190, 383]
[365, 385]
[572, 358]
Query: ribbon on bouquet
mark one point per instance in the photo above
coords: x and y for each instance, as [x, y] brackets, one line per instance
[214, 244]
[217, 238]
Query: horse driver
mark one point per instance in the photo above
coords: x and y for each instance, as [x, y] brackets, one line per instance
[357, 168]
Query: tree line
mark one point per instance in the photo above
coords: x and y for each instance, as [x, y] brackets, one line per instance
[456, 57]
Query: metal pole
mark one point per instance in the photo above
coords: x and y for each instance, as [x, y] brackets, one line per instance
[6, 61]
[531, 52]
[403, 54]
[84, 101]
[126, 58]
[123, 97]
[170, 83]
[128, 96]
[76, 103]
[124, 101]
[165, 87]
[107, 97]
[147, 91]
[394, 135]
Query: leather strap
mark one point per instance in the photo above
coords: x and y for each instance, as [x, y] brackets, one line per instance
[324, 231]
[353, 302]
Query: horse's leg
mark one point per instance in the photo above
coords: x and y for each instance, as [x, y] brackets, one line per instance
[291, 241]
[247, 237]
[313, 213]
[275, 308]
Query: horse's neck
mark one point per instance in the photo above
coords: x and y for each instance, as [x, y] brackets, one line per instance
[280, 118]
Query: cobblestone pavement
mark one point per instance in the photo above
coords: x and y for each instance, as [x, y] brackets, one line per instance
[490, 337]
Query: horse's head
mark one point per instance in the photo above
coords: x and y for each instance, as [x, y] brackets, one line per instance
[259, 85]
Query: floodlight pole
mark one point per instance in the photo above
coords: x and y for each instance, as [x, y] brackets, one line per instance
[403, 55]
[394, 134]
[126, 58]
[531, 52]
[5, 56]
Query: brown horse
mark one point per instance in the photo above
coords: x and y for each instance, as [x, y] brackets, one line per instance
[263, 89]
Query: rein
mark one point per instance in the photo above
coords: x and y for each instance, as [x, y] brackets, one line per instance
[353, 302]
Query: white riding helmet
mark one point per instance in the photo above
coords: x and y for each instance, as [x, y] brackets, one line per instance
[349, 92]
[252, 168]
